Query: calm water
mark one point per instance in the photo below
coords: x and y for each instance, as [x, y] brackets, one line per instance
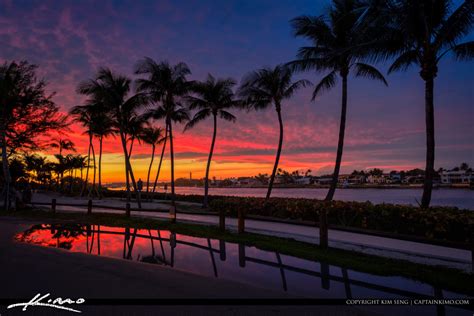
[462, 198]
[230, 261]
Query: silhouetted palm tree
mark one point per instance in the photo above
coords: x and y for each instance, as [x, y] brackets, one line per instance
[336, 42]
[152, 136]
[135, 125]
[62, 144]
[165, 86]
[266, 87]
[85, 115]
[165, 138]
[420, 33]
[113, 91]
[211, 98]
[103, 128]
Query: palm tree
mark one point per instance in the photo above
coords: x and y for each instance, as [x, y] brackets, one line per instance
[134, 129]
[113, 91]
[85, 115]
[36, 164]
[151, 136]
[266, 87]
[421, 33]
[161, 159]
[338, 45]
[103, 128]
[62, 144]
[211, 98]
[166, 85]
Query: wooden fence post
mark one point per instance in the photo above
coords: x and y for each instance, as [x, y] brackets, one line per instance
[222, 220]
[242, 255]
[323, 229]
[241, 222]
[53, 206]
[127, 209]
[89, 207]
[173, 214]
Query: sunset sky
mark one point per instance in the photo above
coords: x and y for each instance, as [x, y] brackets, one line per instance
[69, 40]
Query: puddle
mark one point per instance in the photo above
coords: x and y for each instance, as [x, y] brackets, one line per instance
[230, 261]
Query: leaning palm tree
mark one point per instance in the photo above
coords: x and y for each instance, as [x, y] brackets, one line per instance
[113, 91]
[266, 87]
[420, 33]
[163, 147]
[211, 98]
[338, 42]
[165, 86]
[152, 136]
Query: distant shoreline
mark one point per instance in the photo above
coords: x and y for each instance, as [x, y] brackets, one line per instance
[358, 187]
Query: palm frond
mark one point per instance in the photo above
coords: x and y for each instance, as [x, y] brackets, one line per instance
[404, 61]
[296, 86]
[227, 116]
[198, 117]
[368, 71]
[458, 24]
[464, 51]
[325, 84]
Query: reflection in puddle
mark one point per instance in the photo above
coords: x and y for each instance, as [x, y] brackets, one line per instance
[236, 262]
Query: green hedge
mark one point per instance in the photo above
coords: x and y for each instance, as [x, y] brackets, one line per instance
[444, 223]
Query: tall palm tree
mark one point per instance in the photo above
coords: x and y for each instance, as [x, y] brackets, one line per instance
[113, 91]
[165, 138]
[211, 98]
[421, 33]
[103, 128]
[338, 43]
[165, 85]
[85, 115]
[151, 136]
[266, 87]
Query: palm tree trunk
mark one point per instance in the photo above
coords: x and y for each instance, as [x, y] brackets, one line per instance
[277, 159]
[206, 180]
[131, 147]
[153, 147]
[172, 163]
[340, 145]
[161, 159]
[127, 178]
[100, 165]
[129, 171]
[132, 177]
[93, 187]
[430, 143]
[84, 186]
[6, 172]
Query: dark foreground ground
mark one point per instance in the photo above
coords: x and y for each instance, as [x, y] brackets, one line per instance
[26, 270]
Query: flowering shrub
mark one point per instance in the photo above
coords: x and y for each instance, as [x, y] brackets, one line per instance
[444, 223]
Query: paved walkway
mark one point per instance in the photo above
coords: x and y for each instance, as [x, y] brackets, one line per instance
[381, 246]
